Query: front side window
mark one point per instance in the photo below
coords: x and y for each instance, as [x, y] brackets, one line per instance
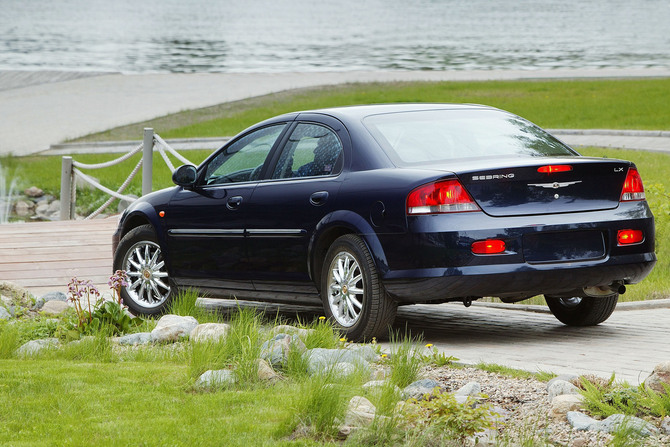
[242, 160]
[312, 150]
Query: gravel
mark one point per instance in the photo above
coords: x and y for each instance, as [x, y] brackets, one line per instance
[526, 407]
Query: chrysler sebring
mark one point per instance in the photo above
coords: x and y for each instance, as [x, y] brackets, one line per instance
[362, 209]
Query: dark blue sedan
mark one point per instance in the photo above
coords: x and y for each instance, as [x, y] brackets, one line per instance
[363, 209]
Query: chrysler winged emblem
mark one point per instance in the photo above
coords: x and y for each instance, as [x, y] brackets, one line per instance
[554, 185]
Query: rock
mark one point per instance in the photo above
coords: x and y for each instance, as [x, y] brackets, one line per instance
[172, 328]
[566, 377]
[580, 421]
[612, 423]
[140, 338]
[33, 191]
[560, 405]
[216, 378]
[54, 307]
[417, 390]
[51, 296]
[560, 387]
[36, 346]
[210, 332]
[4, 314]
[580, 441]
[360, 412]
[321, 359]
[277, 349]
[265, 371]
[665, 425]
[469, 389]
[342, 369]
[291, 330]
[365, 351]
[659, 377]
[374, 385]
[486, 438]
[23, 208]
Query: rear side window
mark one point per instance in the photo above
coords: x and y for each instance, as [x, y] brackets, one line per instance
[312, 150]
[426, 137]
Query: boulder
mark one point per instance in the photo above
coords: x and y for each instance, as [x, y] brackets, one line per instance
[580, 421]
[560, 387]
[140, 338]
[659, 377]
[36, 346]
[566, 377]
[469, 389]
[4, 314]
[277, 349]
[216, 378]
[210, 332]
[417, 390]
[51, 296]
[612, 424]
[360, 412]
[171, 328]
[33, 191]
[291, 330]
[24, 208]
[665, 425]
[54, 307]
[562, 404]
[265, 371]
[321, 359]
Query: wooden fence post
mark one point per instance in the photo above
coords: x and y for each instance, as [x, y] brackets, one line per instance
[147, 160]
[66, 177]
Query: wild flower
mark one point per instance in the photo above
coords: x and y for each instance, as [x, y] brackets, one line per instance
[78, 291]
[116, 282]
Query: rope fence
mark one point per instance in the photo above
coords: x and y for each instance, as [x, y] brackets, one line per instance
[71, 171]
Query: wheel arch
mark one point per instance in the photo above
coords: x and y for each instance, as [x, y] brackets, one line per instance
[144, 215]
[338, 224]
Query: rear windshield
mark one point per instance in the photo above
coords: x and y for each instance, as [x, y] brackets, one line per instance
[430, 136]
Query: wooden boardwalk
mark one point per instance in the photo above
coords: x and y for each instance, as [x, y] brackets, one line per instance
[44, 256]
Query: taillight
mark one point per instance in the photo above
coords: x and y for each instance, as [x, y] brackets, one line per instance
[632, 187]
[488, 247]
[549, 169]
[447, 196]
[629, 237]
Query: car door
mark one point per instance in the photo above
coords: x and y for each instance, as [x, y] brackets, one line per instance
[300, 190]
[206, 224]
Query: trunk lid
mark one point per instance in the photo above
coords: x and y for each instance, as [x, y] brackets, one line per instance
[507, 188]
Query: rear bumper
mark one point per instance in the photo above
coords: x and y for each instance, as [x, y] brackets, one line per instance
[514, 280]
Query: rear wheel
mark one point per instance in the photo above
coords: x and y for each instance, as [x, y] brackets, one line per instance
[352, 294]
[148, 290]
[582, 311]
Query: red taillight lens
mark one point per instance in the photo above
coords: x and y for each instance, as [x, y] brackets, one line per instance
[447, 196]
[629, 237]
[632, 187]
[488, 247]
[549, 169]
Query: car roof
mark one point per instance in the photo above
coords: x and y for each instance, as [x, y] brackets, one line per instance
[361, 111]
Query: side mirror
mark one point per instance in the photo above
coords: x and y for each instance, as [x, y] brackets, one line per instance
[185, 176]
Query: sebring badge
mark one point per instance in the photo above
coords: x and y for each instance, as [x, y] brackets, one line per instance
[554, 185]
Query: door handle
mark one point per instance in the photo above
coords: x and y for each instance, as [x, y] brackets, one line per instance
[234, 202]
[318, 198]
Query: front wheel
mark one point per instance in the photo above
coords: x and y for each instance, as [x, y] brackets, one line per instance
[352, 294]
[148, 289]
[582, 311]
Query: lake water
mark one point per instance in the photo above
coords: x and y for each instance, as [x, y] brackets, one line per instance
[138, 36]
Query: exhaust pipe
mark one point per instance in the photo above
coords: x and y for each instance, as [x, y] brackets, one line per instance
[600, 291]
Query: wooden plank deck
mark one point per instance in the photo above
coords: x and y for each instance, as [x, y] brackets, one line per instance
[44, 256]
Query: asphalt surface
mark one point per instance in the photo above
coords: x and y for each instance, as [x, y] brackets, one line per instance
[39, 109]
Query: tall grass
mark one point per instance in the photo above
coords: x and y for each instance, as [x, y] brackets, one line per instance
[405, 359]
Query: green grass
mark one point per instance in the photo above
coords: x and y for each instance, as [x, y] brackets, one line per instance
[582, 104]
[71, 403]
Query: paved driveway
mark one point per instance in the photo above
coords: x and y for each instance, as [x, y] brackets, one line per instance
[630, 343]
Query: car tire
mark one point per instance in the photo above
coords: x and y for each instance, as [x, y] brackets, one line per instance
[353, 297]
[149, 287]
[582, 311]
